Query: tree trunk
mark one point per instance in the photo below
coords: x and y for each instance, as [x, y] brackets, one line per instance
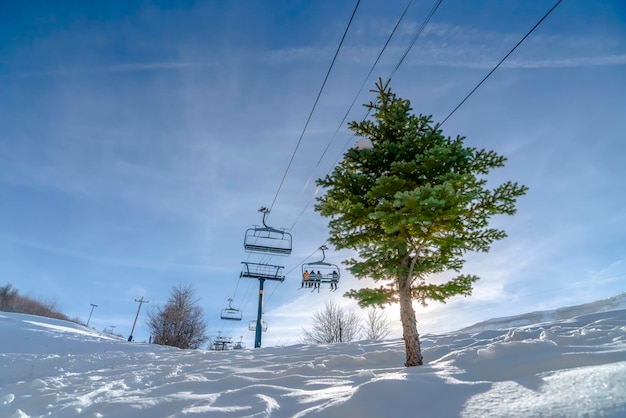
[409, 325]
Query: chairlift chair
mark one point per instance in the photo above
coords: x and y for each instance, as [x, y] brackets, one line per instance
[261, 271]
[222, 343]
[266, 239]
[230, 313]
[239, 345]
[252, 325]
[319, 272]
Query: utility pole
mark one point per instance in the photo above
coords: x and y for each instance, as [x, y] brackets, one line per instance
[92, 306]
[141, 302]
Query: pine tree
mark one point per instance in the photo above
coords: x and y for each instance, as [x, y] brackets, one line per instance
[412, 205]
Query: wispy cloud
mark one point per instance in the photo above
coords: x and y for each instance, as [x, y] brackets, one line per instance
[111, 68]
[99, 259]
[590, 61]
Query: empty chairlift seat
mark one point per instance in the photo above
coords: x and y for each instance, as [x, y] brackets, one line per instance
[252, 326]
[230, 313]
[262, 271]
[222, 343]
[266, 239]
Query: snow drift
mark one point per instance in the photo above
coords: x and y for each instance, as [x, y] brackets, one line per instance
[570, 362]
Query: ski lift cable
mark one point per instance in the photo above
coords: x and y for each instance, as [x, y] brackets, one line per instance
[406, 52]
[236, 288]
[245, 298]
[408, 49]
[245, 302]
[352, 104]
[417, 34]
[239, 281]
[315, 104]
[437, 4]
[345, 116]
[410, 46]
[341, 124]
[308, 257]
[308, 203]
[266, 301]
[501, 61]
[412, 43]
[415, 37]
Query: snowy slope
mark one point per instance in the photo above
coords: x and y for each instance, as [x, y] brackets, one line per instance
[571, 366]
[609, 304]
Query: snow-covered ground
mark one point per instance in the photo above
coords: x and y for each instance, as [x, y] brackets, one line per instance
[565, 363]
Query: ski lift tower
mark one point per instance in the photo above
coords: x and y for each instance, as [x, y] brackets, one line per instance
[268, 241]
[261, 272]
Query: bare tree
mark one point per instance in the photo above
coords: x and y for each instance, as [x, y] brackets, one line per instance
[12, 301]
[180, 323]
[332, 324]
[8, 298]
[377, 325]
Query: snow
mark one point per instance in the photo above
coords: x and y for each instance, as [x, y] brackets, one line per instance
[565, 363]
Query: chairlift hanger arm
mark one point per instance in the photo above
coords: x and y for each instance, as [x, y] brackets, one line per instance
[264, 211]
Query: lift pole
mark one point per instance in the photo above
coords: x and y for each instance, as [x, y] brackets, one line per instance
[141, 301]
[259, 320]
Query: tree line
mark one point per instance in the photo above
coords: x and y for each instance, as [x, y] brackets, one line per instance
[12, 301]
[180, 323]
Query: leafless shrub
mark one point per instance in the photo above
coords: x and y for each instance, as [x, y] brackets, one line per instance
[180, 323]
[332, 324]
[376, 325]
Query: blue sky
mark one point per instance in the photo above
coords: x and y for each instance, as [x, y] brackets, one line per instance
[139, 138]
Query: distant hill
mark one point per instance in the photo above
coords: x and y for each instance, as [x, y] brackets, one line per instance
[610, 304]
